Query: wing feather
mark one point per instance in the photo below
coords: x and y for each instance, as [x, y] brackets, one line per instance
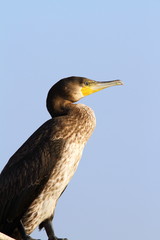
[26, 173]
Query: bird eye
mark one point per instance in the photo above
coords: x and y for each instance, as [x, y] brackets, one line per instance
[86, 83]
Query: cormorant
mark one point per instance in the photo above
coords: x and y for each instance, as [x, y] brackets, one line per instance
[37, 174]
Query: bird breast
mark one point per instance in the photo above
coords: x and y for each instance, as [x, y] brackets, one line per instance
[75, 139]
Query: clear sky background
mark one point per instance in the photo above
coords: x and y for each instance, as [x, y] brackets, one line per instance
[115, 194]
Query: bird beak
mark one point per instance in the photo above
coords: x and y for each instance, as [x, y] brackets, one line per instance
[95, 86]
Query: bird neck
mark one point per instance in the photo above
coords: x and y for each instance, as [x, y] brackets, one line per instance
[57, 106]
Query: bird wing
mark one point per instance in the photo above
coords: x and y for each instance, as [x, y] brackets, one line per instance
[27, 171]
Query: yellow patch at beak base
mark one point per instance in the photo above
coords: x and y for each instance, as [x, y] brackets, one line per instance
[88, 90]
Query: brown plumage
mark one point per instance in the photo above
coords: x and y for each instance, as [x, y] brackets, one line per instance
[37, 174]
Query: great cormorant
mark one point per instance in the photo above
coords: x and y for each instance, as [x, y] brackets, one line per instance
[37, 174]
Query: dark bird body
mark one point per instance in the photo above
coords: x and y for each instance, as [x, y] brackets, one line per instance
[37, 174]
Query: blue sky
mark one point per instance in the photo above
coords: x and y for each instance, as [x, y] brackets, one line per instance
[115, 192]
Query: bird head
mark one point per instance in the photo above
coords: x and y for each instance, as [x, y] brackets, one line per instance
[75, 88]
[72, 89]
